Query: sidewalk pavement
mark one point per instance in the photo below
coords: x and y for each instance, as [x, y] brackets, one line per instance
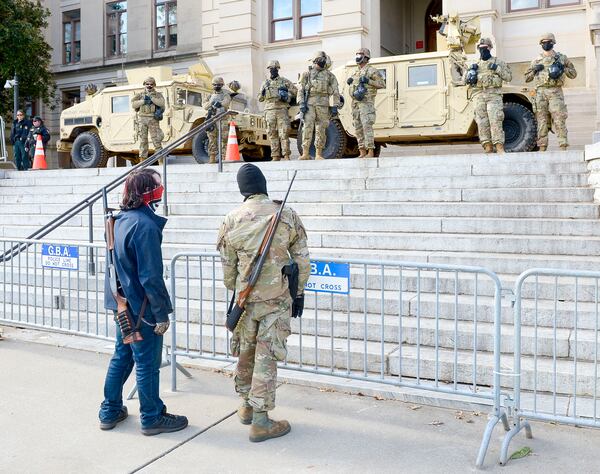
[49, 399]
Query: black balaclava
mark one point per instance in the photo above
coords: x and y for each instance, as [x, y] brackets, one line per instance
[547, 45]
[251, 180]
[485, 53]
[273, 72]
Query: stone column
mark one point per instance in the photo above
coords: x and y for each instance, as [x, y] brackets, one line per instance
[594, 15]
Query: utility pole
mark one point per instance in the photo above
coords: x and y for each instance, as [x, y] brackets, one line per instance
[15, 96]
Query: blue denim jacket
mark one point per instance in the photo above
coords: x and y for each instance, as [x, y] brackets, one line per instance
[138, 262]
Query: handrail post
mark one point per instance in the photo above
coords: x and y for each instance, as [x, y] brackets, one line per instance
[165, 194]
[91, 263]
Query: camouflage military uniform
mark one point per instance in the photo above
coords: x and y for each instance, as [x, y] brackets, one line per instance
[260, 337]
[549, 98]
[363, 110]
[276, 113]
[319, 84]
[487, 98]
[224, 98]
[145, 118]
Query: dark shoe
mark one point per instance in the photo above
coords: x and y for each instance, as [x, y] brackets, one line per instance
[167, 423]
[109, 425]
[263, 428]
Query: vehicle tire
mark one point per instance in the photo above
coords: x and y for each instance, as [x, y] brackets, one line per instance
[256, 153]
[520, 128]
[88, 151]
[200, 148]
[335, 143]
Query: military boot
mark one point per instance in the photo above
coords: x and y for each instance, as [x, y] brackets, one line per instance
[363, 152]
[263, 428]
[319, 155]
[276, 158]
[543, 148]
[500, 148]
[305, 156]
[286, 157]
[244, 412]
[488, 148]
[212, 158]
[564, 147]
[370, 153]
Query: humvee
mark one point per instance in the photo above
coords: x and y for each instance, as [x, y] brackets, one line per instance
[426, 101]
[104, 124]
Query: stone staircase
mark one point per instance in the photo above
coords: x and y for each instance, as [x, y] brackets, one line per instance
[506, 213]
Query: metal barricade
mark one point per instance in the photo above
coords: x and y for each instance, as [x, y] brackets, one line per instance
[416, 325]
[39, 292]
[556, 355]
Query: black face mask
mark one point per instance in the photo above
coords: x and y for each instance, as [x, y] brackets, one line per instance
[274, 73]
[321, 62]
[485, 54]
[547, 45]
[359, 59]
[218, 88]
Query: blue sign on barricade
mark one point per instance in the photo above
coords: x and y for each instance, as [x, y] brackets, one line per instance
[329, 277]
[60, 257]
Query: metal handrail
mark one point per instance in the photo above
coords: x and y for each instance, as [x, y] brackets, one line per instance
[96, 195]
[3, 152]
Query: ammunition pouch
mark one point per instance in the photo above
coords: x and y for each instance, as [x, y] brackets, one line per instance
[129, 332]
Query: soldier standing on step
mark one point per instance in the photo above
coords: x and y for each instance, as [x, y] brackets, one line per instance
[549, 71]
[316, 86]
[363, 88]
[217, 103]
[277, 92]
[149, 106]
[485, 79]
[259, 340]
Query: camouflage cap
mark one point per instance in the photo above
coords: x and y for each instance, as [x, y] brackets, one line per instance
[149, 80]
[273, 63]
[547, 37]
[218, 81]
[485, 42]
[366, 52]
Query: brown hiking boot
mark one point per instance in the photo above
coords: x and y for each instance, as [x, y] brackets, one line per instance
[363, 152]
[564, 147]
[212, 158]
[276, 158]
[286, 157]
[305, 156]
[263, 428]
[319, 155]
[370, 153]
[244, 413]
[543, 147]
[488, 148]
[499, 148]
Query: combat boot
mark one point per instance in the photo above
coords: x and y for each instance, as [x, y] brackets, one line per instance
[488, 148]
[370, 153]
[564, 147]
[305, 156]
[543, 148]
[286, 157]
[276, 158]
[244, 412]
[263, 428]
[319, 155]
[212, 158]
[500, 148]
[363, 152]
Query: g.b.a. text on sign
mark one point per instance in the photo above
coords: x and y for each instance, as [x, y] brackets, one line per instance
[329, 277]
[60, 257]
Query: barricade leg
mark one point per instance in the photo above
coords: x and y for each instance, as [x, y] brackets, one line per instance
[517, 427]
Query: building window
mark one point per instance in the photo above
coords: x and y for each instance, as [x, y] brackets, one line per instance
[70, 97]
[166, 24]
[295, 19]
[71, 37]
[519, 5]
[116, 28]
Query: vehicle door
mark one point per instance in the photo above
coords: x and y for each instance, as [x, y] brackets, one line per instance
[421, 93]
[385, 100]
[165, 123]
[117, 119]
[182, 110]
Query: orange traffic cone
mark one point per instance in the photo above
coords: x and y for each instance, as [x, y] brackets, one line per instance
[39, 158]
[233, 150]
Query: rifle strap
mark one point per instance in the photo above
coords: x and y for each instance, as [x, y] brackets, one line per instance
[142, 311]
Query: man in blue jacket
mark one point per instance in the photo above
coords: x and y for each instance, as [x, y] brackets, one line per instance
[18, 137]
[139, 268]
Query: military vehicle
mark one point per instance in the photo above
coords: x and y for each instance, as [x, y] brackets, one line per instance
[104, 124]
[426, 100]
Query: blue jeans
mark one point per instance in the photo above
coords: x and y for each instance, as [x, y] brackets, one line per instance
[147, 356]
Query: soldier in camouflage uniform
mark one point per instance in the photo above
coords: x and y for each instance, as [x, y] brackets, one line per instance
[485, 79]
[316, 86]
[363, 88]
[219, 101]
[549, 71]
[277, 92]
[259, 339]
[145, 104]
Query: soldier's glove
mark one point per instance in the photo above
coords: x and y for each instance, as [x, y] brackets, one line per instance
[333, 111]
[364, 80]
[474, 67]
[493, 66]
[263, 92]
[147, 100]
[304, 108]
[217, 104]
[538, 67]
[161, 328]
[350, 80]
[283, 95]
[298, 306]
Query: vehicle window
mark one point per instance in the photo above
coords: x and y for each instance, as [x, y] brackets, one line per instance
[194, 98]
[120, 104]
[383, 73]
[420, 76]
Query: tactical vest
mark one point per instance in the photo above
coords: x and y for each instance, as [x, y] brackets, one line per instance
[272, 93]
[542, 79]
[486, 78]
[220, 97]
[369, 72]
[318, 82]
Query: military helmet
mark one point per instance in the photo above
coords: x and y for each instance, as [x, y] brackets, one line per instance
[366, 52]
[218, 81]
[273, 64]
[485, 42]
[547, 37]
[319, 54]
[234, 86]
[149, 80]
